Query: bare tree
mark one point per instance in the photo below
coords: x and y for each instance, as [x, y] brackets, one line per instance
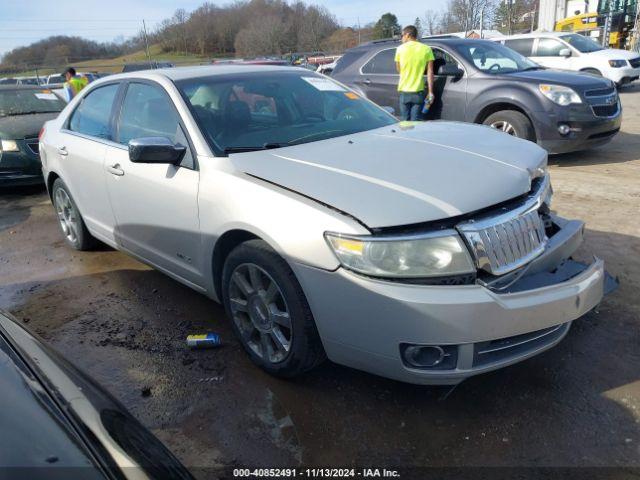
[464, 15]
[263, 36]
[431, 22]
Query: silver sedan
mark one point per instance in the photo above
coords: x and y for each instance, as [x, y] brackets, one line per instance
[424, 252]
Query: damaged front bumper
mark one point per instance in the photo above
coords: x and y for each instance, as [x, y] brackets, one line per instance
[368, 323]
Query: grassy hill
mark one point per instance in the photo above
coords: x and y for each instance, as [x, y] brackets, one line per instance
[114, 65]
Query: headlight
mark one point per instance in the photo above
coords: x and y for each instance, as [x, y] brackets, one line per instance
[617, 63]
[559, 94]
[434, 255]
[9, 146]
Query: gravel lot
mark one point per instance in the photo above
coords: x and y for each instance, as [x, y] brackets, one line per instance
[575, 405]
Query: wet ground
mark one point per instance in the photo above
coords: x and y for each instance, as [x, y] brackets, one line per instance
[575, 405]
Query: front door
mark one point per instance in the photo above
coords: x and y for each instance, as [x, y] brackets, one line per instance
[547, 54]
[155, 205]
[450, 92]
[81, 150]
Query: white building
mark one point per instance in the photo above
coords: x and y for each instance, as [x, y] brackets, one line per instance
[553, 10]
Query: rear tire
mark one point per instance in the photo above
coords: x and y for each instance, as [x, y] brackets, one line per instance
[70, 221]
[269, 312]
[513, 123]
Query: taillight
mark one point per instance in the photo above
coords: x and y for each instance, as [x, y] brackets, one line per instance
[41, 133]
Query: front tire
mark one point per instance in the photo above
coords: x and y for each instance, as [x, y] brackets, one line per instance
[269, 312]
[512, 123]
[70, 221]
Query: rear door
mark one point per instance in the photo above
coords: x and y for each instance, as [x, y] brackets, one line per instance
[81, 147]
[379, 79]
[450, 93]
[155, 205]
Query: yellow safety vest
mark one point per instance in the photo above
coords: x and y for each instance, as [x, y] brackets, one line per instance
[77, 83]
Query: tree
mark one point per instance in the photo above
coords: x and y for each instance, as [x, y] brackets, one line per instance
[418, 24]
[431, 22]
[263, 36]
[515, 15]
[386, 27]
[341, 40]
[464, 15]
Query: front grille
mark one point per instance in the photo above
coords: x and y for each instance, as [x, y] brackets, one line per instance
[33, 145]
[605, 110]
[503, 349]
[602, 92]
[635, 62]
[506, 245]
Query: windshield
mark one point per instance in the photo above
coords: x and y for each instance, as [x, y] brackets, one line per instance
[495, 58]
[55, 79]
[582, 43]
[21, 102]
[253, 111]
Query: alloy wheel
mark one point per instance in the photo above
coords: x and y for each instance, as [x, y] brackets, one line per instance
[504, 126]
[260, 312]
[67, 215]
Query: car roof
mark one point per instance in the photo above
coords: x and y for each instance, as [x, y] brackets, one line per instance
[537, 35]
[183, 73]
[438, 40]
[22, 87]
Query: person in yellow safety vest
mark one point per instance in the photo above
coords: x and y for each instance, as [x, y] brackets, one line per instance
[74, 83]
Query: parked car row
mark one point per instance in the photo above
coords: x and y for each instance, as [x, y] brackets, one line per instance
[481, 81]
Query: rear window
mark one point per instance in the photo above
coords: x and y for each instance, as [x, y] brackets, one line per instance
[524, 46]
[347, 60]
[23, 102]
[382, 63]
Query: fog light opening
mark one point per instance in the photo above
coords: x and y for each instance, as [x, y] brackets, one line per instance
[564, 129]
[424, 356]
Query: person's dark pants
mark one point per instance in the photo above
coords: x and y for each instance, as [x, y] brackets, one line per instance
[411, 105]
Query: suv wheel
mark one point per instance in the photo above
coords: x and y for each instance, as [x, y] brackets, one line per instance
[71, 223]
[513, 123]
[269, 312]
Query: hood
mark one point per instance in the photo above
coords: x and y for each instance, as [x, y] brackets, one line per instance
[614, 54]
[577, 81]
[23, 126]
[403, 174]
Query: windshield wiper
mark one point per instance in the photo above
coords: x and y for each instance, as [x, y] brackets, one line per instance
[528, 69]
[31, 112]
[266, 146]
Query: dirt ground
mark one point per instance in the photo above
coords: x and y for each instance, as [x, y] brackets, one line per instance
[575, 405]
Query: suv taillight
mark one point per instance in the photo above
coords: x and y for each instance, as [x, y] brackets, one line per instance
[41, 133]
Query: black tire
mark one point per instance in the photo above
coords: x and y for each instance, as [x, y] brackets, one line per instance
[521, 125]
[305, 348]
[82, 240]
[593, 71]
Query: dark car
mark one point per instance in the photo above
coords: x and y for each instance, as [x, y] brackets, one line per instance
[484, 82]
[23, 111]
[56, 422]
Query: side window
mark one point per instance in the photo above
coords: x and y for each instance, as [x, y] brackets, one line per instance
[549, 47]
[443, 58]
[92, 116]
[147, 111]
[524, 46]
[383, 62]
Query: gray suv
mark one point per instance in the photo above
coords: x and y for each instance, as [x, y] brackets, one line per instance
[484, 82]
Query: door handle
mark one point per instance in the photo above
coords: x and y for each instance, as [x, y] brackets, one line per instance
[63, 151]
[115, 170]
[367, 81]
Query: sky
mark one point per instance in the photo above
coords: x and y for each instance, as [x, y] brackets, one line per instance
[25, 21]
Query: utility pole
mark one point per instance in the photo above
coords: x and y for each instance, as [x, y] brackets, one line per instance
[146, 40]
[482, 22]
[359, 41]
[533, 17]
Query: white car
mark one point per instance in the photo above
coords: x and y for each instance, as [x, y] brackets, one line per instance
[570, 51]
[425, 252]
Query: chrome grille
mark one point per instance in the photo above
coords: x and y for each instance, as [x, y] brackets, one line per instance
[602, 92]
[505, 246]
[502, 242]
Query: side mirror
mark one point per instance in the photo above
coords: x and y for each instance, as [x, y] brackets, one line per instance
[565, 52]
[155, 150]
[450, 70]
[389, 109]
